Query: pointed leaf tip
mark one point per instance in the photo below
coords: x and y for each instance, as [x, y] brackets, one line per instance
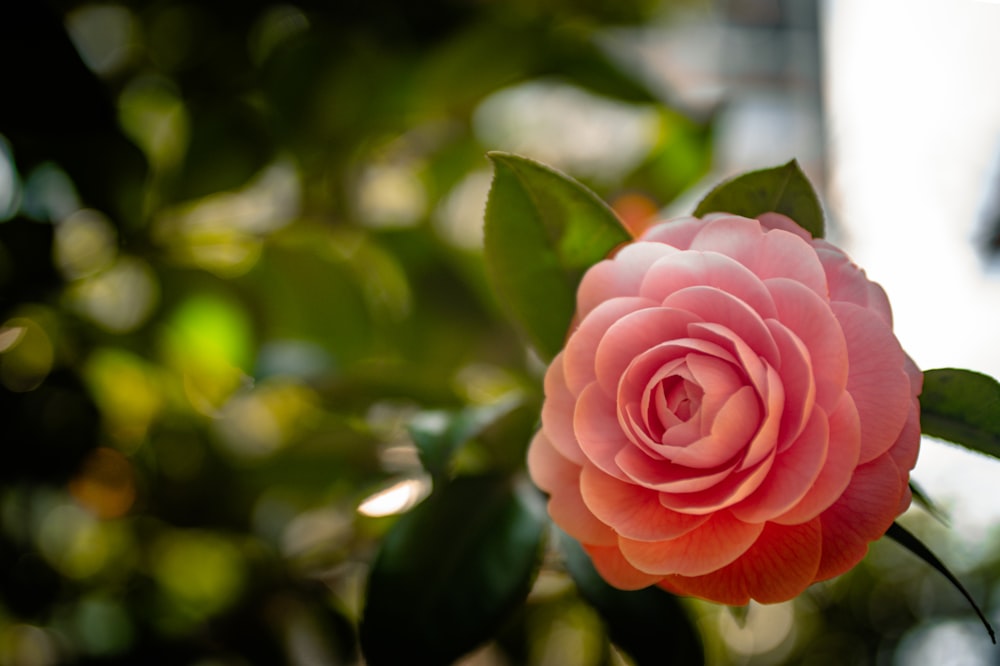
[783, 189]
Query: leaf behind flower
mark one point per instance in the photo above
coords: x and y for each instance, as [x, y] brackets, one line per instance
[907, 540]
[543, 231]
[450, 571]
[963, 407]
[783, 189]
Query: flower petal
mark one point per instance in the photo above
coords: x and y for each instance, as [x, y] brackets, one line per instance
[614, 568]
[632, 511]
[779, 566]
[578, 356]
[601, 438]
[635, 334]
[841, 460]
[862, 514]
[677, 232]
[791, 476]
[812, 321]
[714, 305]
[878, 382]
[769, 254]
[713, 545]
[711, 269]
[557, 412]
[797, 380]
[620, 276]
[561, 479]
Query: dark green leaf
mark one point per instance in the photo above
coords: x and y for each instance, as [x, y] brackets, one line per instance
[450, 571]
[907, 540]
[543, 230]
[962, 406]
[439, 434]
[784, 189]
[650, 625]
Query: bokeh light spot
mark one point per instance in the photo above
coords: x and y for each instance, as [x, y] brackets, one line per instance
[129, 392]
[119, 299]
[105, 35]
[85, 243]
[200, 571]
[10, 185]
[26, 354]
[106, 484]
[397, 498]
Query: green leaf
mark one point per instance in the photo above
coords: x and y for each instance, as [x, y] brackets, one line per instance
[543, 231]
[651, 625]
[452, 570]
[784, 189]
[439, 434]
[963, 407]
[907, 540]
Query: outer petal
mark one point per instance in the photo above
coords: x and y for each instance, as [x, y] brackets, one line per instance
[770, 254]
[557, 412]
[677, 232]
[615, 569]
[709, 547]
[561, 479]
[778, 221]
[878, 382]
[777, 567]
[616, 277]
[850, 284]
[862, 514]
[596, 425]
[633, 511]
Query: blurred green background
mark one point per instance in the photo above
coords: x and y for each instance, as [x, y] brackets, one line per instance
[240, 253]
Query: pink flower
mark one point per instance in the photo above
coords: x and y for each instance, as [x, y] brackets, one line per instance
[731, 417]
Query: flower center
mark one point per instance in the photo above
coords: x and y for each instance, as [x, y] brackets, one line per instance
[675, 400]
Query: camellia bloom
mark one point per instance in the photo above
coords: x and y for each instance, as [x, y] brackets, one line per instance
[731, 416]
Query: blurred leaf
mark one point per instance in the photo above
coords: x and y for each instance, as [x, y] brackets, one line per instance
[651, 625]
[963, 407]
[439, 434]
[543, 230]
[907, 540]
[451, 570]
[579, 59]
[931, 507]
[784, 189]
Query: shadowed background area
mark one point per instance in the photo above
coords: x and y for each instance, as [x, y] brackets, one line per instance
[240, 251]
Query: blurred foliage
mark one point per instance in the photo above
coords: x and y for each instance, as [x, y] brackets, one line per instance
[241, 280]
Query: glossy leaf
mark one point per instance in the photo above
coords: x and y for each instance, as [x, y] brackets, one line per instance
[439, 434]
[450, 571]
[650, 625]
[962, 406]
[907, 540]
[543, 230]
[784, 189]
